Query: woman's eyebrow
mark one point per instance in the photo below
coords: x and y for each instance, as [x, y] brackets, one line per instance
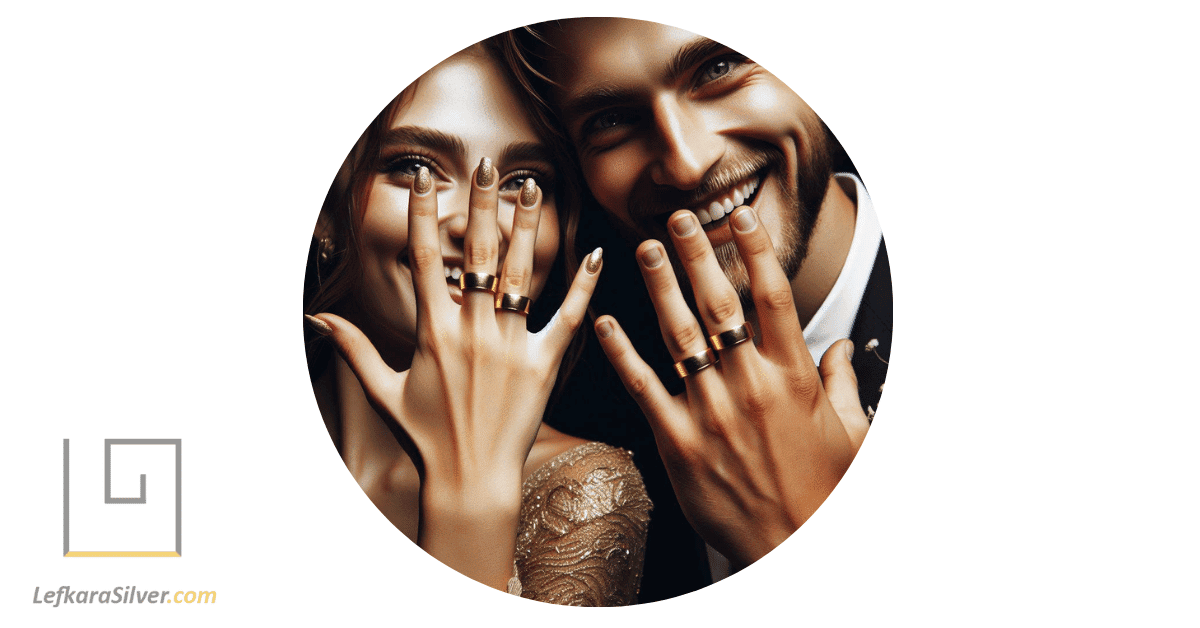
[525, 151]
[429, 138]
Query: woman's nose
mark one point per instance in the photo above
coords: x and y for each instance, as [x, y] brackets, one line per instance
[452, 213]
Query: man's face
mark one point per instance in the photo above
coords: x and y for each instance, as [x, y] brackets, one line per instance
[665, 120]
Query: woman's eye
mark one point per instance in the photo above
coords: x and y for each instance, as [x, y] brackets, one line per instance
[407, 165]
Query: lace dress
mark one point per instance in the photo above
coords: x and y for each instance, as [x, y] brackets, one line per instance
[582, 533]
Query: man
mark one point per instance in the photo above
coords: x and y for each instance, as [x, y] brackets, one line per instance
[722, 173]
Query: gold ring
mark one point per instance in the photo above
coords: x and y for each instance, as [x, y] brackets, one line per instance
[478, 281]
[735, 336]
[513, 303]
[696, 363]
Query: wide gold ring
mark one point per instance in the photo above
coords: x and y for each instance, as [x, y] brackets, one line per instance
[696, 363]
[732, 337]
[478, 281]
[513, 303]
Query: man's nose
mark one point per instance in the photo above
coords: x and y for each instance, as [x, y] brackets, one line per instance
[688, 147]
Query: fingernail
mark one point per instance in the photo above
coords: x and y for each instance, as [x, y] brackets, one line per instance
[849, 350]
[485, 174]
[424, 182]
[318, 325]
[744, 222]
[529, 192]
[684, 225]
[592, 263]
[604, 329]
[652, 257]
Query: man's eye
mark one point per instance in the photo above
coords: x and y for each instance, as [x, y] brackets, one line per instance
[717, 69]
[609, 120]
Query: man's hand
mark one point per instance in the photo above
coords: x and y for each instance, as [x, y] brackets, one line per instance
[755, 444]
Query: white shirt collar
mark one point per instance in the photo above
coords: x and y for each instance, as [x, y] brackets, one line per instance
[835, 318]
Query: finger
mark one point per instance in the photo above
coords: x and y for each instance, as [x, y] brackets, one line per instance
[425, 249]
[377, 378]
[517, 275]
[718, 303]
[777, 319]
[481, 247]
[679, 328]
[841, 385]
[666, 414]
[566, 321]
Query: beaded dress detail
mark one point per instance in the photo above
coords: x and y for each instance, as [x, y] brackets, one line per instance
[582, 533]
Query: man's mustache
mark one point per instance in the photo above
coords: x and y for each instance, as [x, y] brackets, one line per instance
[656, 200]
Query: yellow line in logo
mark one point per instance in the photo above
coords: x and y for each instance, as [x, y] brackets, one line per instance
[122, 555]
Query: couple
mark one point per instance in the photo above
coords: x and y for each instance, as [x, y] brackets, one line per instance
[425, 265]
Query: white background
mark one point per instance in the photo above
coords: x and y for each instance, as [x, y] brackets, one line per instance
[1033, 168]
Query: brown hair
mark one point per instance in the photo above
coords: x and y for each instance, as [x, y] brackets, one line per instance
[335, 270]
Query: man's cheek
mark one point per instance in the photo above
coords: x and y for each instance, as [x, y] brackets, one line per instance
[610, 183]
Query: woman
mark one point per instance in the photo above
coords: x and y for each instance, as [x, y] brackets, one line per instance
[437, 391]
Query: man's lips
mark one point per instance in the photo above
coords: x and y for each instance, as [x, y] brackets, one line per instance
[713, 212]
[743, 193]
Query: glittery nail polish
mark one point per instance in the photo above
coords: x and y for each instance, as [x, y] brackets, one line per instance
[529, 192]
[485, 175]
[592, 263]
[423, 182]
[318, 325]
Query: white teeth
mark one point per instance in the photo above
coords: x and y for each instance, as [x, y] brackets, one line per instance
[447, 269]
[720, 208]
[453, 273]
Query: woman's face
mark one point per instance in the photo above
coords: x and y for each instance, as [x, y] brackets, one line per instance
[461, 111]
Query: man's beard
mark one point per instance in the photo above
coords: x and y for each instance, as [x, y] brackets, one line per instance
[799, 207]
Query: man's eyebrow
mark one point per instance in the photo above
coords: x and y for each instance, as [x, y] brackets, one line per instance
[691, 54]
[429, 138]
[525, 151]
[595, 99]
[604, 96]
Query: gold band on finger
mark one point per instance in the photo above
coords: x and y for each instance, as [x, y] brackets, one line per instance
[696, 363]
[478, 281]
[732, 337]
[513, 303]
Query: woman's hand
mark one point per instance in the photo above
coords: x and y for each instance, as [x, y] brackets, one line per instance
[473, 399]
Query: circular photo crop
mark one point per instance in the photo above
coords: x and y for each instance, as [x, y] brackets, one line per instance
[598, 311]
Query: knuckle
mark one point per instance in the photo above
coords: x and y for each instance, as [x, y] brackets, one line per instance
[424, 258]
[515, 278]
[757, 244]
[571, 319]
[638, 385]
[776, 299]
[757, 400]
[479, 253]
[692, 254]
[804, 383]
[722, 307]
[684, 336]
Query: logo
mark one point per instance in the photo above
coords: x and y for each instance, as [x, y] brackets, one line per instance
[136, 512]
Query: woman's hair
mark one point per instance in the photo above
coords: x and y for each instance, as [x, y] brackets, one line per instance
[335, 269]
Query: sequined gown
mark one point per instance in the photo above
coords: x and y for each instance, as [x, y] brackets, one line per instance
[582, 533]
